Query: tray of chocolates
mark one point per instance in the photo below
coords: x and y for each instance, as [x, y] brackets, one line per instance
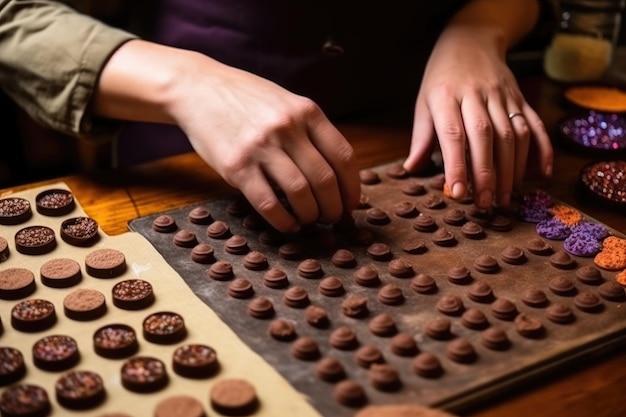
[95, 325]
[414, 298]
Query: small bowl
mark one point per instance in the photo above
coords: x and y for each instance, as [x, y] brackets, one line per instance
[604, 182]
[601, 98]
[593, 132]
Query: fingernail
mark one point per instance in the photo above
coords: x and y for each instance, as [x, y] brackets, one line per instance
[458, 190]
[485, 199]
[548, 170]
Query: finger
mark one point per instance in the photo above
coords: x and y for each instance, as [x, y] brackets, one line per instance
[539, 135]
[479, 131]
[340, 178]
[261, 195]
[422, 141]
[522, 143]
[504, 149]
[290, 177]
[448, 125]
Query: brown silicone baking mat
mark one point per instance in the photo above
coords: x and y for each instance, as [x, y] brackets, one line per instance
[462, 384]
[171, 294]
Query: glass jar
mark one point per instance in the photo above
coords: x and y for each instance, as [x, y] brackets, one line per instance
[584, 41]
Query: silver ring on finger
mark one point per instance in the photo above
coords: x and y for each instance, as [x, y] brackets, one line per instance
[515, 114]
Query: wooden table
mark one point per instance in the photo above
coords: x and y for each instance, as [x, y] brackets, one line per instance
[594, 389]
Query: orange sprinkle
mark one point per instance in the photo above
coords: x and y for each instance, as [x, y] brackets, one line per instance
[621, 278]
[608, 99]
[566, 214]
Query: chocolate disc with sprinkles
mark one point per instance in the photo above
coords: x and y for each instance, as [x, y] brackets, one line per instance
[25, 400]
[144, 374]
[12, 367]
[115, 341]
[33, 315]
[55, 202]
[132, 294]
[164, 328]
[80, 390]
[55, 353]
[79, 231]
[195, 361]
[35, 240]
[14, 210]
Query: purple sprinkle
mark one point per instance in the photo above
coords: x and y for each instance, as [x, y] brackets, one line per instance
[553, 229]
[596, 230]
[604, 131]
[582, 244]
[534, 212]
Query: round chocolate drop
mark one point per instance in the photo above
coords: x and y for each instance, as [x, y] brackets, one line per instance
[260, 308]
[379, 251]
[424, 284]
[236, 245]
[383, 325]
[275, 278]
[296, 297]
[503, 309]
[164, 223]
[426, 365]
[316, 316]
[343, 338]
[403, 344]
[329, 369]
[384, 377]
[461, 350]
[529, 326]
[331, 287]
[495, 338]
[391, 294]
[343, 258]
[349, 393]
[533, 296]
[305, 348]
[367, 276]
[282, 330]
[480, 292]
[368, 355]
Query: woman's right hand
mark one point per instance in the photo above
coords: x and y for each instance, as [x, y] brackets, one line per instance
[258, 136]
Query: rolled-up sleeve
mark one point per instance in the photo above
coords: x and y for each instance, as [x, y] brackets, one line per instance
[50, 59]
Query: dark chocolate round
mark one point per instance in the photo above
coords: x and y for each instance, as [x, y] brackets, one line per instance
[14, 210]
[132, 294]
[35, 240]
[144, 374]
[115, 341]
[84, 304]
[164, 328]
[55, 353]
[55, 202]
[79, 231]
[195, 361]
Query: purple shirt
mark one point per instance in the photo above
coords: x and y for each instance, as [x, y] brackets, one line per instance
[375, 60]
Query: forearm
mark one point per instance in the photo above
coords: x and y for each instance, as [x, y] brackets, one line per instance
[139, 82]
[50, 59]
[503, 22]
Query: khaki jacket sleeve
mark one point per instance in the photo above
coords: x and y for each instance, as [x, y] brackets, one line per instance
[50, 59]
